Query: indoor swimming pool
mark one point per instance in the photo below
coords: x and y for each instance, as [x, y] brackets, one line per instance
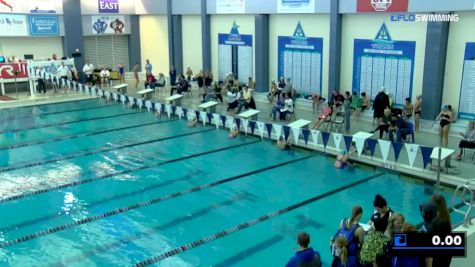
[87, 183]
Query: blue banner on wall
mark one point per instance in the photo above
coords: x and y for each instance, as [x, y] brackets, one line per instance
[386, 64]
[44, 25]
[235, 54]
[300, 59]
[467, 89]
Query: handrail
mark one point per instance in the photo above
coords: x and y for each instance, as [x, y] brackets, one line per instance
[465, 188]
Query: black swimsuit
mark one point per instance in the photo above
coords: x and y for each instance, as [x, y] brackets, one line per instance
[444, 122]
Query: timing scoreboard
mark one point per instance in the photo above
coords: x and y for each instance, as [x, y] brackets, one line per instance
[422, 244]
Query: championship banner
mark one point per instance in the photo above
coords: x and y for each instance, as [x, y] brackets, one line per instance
[295, 6]
[8, 70]
[382, 5]
[114, 24]
[13, 25]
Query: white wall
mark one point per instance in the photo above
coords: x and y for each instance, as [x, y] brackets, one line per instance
[458, 36]
[40, 47]
[191, 36]
[366, 26]
[154, 42]
[223, 24]
[313, 26]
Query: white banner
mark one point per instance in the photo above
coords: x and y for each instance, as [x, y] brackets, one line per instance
[337, 140]
[245, 124]
[278, 130]
[13, 25]
[230, 6]
[384, 146]
[296, 134]
[411, 150]
[108, 24]
[359, 142]
[295, 6]
[216, 119]
[260, 127]
[49, 66]
[315, 134]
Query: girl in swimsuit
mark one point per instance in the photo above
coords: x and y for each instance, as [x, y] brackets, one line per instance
[446, 117]
[122, 73]
[342, 159]
[417, 112]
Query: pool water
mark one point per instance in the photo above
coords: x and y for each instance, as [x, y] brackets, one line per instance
[65, 167]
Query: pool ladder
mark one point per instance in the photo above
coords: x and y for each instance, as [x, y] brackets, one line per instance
[461, 191]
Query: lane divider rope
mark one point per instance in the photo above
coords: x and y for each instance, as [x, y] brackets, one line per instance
[52, 113]
[62, 123]
[73, 136]
[102, 149]
[247, 224]
[122, 172]
[143, 204]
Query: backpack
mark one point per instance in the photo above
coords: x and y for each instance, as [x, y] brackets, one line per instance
[349, 234]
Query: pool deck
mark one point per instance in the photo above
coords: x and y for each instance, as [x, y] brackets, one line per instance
[428, 135]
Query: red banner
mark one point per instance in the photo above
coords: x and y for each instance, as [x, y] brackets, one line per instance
[7, 70]
[382, 5]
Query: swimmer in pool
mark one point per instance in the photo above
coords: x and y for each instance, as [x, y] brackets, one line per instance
[192, 122]
[282, 144]
[233, 132]
[342, 159]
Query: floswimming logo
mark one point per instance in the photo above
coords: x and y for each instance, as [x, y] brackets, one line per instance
[425, 17]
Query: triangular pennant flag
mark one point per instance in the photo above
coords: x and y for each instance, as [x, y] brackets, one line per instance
[223, 119]
[269, 129]
[203, 117]
[325, 138]
[238, 122]
[168, 110]
[337, 140]
[372, 146]
[140, 103]
[68, 82]
[210, 117]
[295, 133]
[426, 152]
[173, 110]
[411, 150]
[397, 149]
[359, 143]
[260, 127]
[253, 126]
[100, 92]
[86, 89]
[179, 112]
[384, 146]
[192, 115]
[287, 132]
[185, 112]
[348, 141]
[197, 113]
[122, 99]
[216, 120]
[116, 97]
[245, 124]
[159, 107]
[278, 131]
[80, 88]
[148, 105]
[306, 134]
[315, 134]
[75, 86]
[108, 95]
